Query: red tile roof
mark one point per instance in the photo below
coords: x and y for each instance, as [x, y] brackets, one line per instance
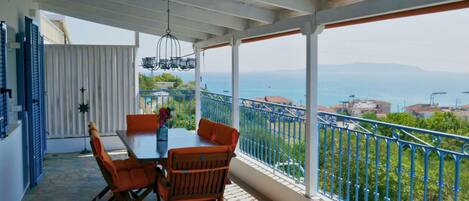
[465, 106]
[422, 108]
[276, 99]
[325, 109]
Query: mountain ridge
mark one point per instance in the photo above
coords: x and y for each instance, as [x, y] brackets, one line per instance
[361, 67]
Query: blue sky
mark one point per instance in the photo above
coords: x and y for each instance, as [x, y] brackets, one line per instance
[434, 42]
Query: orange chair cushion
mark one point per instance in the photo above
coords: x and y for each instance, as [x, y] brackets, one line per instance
[131, 163]
[142, 123]
[109, 166]
[102, 155]
[205, 128]
[193, 150]
[126, 174]
[225, 135]
[134, 178]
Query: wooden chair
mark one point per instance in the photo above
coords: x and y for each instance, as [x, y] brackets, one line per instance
[195, 173]
[225, 135]
[92, 131]
[205, 129]
[142, 123]
[125, 178]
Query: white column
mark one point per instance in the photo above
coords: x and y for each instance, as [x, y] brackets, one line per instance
[198, 110]
[235, 82]
[311, 33]
[136, 74]
[137, 39]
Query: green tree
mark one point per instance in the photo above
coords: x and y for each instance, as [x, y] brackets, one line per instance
[149, 82]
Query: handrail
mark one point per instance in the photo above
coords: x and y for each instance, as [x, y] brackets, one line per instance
[453, 136]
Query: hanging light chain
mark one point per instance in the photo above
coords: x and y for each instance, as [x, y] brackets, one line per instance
[168, 30]
[168, 52]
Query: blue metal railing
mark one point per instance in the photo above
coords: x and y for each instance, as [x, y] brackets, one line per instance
[182, 103]
[216, 107]
[359, 159]
[274, 135]
[363, 159]
[270, 133]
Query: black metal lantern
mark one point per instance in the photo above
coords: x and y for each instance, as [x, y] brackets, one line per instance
[168, 54]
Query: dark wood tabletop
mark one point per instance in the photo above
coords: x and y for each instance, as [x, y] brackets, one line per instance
[144, 146]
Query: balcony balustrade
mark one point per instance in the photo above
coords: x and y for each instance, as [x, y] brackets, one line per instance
[359, 159]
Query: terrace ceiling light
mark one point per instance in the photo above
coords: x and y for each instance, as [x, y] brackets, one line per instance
[168, 54]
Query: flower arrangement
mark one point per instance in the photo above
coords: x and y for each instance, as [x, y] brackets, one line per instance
[164, 115]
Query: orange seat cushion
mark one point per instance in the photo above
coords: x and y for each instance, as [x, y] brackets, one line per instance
[134, 178]
[142, 123]
[131, 163]
[205, 128]
[225, 135]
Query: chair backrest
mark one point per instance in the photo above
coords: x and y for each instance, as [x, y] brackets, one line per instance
[198, 172]
[205, 128]
[92, 126]
[142, 123]
[103, 159]
[93, 133]
[225, 135]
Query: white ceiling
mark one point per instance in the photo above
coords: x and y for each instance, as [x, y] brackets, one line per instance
[203, 20]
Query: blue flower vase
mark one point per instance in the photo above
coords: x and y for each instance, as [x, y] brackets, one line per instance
[162, 147]
[162, 133]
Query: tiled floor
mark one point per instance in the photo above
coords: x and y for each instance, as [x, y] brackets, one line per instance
[76, 177]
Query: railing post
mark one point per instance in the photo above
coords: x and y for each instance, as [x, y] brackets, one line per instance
[235, 82]
[198, 111]
[311, 32]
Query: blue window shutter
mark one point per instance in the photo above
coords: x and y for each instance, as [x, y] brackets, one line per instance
[42, 91]
[34, 98]
[3, 81]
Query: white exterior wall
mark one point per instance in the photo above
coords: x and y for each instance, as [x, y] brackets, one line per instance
[12, 185]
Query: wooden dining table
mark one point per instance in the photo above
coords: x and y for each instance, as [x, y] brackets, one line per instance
[145, 147]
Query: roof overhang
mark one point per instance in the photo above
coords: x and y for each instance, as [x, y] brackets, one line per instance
[362, 12]
[214, 23]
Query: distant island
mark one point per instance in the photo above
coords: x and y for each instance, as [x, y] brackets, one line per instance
[351, 68]
[361, 68]
[370, 68]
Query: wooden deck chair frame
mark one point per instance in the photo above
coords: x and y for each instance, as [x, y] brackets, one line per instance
[197, 175]
[118, 196]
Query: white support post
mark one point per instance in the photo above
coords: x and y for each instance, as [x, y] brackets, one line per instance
[136, 74]
[137, 39]
[235, 82]
[311, 32]
[198, 110]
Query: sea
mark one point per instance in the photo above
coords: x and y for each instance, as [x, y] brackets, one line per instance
[400, 89]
